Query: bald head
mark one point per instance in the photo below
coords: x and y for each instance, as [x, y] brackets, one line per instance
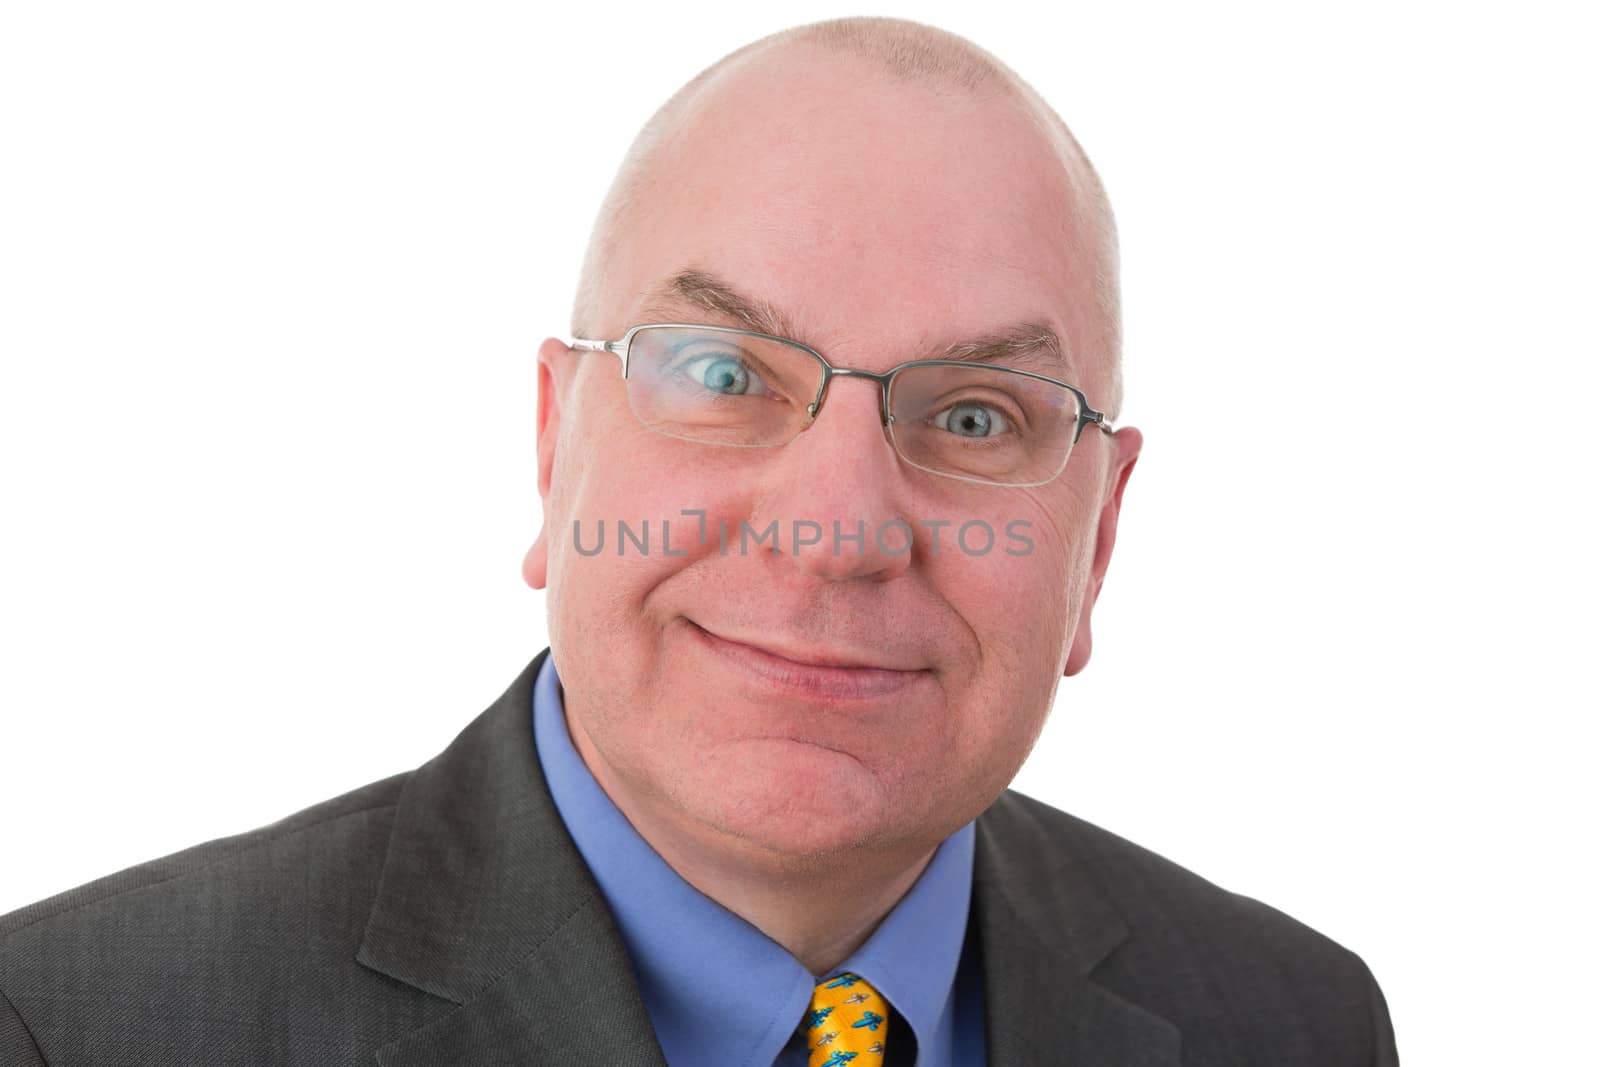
[903, 55]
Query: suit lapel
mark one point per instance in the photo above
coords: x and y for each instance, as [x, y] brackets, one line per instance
[1044, 925]
[484, 901]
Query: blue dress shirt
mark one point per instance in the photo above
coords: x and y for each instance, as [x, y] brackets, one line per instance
[676, 935]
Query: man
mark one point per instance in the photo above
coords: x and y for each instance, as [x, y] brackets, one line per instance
[854, 289]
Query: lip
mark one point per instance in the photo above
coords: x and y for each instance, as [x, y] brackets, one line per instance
[825, 674]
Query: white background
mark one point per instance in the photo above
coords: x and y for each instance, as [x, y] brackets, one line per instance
[271, 282]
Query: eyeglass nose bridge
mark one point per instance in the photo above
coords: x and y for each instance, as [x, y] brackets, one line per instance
[829, 372]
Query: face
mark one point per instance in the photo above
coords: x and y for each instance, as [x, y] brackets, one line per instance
[885, 221]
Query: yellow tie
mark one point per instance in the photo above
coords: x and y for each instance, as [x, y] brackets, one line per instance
[848, 1023]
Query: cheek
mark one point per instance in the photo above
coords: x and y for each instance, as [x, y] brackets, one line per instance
[1020, 599]
[612, 474]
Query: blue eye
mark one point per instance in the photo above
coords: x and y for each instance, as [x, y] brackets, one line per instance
[972, 420]
[723, 374]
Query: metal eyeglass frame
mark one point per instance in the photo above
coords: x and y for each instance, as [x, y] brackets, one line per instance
[624, 345]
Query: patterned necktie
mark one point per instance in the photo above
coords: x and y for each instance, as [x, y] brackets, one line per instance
[848, 1023]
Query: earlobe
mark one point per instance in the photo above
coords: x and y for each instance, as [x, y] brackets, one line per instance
[536, 564]
[1082, 643]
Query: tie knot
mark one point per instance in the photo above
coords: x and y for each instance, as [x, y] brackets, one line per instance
[848, 1023]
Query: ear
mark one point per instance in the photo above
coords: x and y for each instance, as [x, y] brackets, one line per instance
[553, 368]
[1125, 446]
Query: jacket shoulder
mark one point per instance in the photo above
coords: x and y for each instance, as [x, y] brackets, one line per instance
[185, 943]
[1235, 974]
[203, 868]
[1153, 893]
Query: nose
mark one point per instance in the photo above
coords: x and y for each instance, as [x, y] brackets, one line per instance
[841, 486]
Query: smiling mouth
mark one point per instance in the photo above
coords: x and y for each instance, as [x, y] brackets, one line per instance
[830, 678]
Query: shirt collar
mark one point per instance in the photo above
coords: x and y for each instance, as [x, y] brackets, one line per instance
[676, 935]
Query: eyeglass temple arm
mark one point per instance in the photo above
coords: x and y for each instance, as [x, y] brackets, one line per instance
[584, 344]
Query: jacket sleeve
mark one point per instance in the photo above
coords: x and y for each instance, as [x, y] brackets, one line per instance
[17, 1047]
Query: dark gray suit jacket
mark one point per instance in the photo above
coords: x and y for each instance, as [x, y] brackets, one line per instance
[443, 917]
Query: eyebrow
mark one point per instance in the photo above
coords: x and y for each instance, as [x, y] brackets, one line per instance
[703, 290]
[1032, 345]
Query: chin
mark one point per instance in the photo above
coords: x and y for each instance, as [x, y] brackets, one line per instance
[795, 839]
[791, 798]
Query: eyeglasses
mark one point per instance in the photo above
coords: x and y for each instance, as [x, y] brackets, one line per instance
[962, 419]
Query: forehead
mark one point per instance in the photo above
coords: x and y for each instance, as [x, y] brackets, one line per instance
[871, 211]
